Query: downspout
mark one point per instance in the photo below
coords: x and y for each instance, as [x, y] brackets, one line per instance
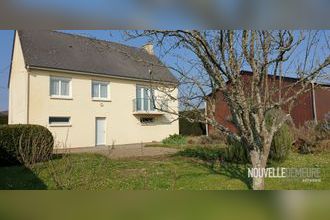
[314, 103]
[206, 124]
[28, 96]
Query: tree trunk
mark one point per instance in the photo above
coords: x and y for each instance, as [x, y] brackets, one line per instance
[257, 162]
[258, 183]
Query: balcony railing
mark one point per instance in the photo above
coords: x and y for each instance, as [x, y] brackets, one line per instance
[149, 105]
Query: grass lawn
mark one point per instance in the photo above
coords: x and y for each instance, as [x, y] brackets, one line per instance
[184, 146]
[95, 172]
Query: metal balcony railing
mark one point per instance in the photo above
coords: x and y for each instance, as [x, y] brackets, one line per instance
[149, 105]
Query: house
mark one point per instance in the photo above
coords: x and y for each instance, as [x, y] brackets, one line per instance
[312, 105]
[90, 92]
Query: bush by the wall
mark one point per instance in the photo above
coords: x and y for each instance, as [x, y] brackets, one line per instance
[281, 144]
[323, 128]
[175, 139]
[25, 144]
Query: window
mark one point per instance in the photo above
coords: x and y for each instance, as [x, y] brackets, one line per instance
[60, 87]
[100, 90]
[59, 121]
[146, 121]
[144, 99]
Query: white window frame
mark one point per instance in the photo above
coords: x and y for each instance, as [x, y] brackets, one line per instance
[99, 98]
[151, 92]
[60, 124]
[59, 96]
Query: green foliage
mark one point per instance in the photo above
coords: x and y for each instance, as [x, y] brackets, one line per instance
[236, 152]
[175, 139]
[323, 128]
[209, 154]
[313, 137]
[281, 144]
[25, 144]
[98, 173]
[191, 128]
[3, 120]
[282, 140]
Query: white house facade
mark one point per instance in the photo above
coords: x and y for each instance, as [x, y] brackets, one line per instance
[89, 104]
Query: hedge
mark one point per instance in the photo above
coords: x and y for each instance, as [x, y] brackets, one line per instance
[3, 119]
[24, 144]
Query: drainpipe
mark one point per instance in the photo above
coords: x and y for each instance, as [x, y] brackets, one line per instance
[206, 125]
[314, 103]
[28, 96]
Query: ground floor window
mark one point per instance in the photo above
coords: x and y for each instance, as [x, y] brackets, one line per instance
[146, 120]
[59, 120]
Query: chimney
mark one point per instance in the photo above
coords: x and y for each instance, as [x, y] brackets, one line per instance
[149, 48]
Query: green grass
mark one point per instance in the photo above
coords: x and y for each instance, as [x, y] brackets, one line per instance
[95, 172]
[184, 146]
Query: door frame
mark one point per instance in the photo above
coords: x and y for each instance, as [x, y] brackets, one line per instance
[105, 130]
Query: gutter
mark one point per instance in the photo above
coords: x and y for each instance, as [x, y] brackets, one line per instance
[96, 74]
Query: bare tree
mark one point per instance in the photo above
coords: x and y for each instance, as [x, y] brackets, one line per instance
[209, 62]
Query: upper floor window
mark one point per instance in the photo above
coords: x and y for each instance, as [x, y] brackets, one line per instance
[60, 87]
[144, 99]
[100, 90]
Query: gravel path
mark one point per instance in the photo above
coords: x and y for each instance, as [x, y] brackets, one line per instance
[122, 151]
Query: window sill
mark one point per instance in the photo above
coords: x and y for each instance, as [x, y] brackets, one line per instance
[61, 97]
[60, 125]
[101, 100]
[150, 124]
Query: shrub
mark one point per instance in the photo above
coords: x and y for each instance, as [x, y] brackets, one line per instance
[313, 137]
[281, 144]
[282, 139]
[209, 154]
[218, 137]
[191, 128]
[323, 128]
[205, 140]
[3, 120]
[25, 144]
[175, 139]
[236, 152]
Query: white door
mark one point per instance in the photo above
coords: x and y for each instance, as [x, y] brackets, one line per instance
[100, 131]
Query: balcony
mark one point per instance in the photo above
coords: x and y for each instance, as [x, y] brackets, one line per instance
[148, 106]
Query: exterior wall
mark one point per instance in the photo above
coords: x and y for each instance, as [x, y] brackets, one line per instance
[222, 114]
[18, 87]
[322, 101]
[122, 127]
[301, 111]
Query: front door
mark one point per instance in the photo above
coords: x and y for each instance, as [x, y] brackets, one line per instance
[100, 127]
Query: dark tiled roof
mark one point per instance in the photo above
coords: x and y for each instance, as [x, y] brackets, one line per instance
[56, 50]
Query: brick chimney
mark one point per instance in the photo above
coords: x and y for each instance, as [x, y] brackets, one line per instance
[149, 47]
